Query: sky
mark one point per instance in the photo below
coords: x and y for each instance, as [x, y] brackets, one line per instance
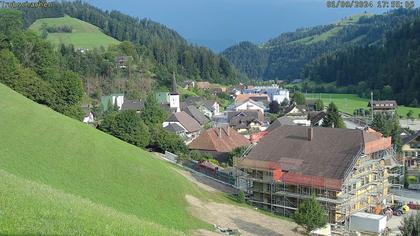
[219, 24]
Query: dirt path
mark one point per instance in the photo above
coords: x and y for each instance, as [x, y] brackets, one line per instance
[248, 221]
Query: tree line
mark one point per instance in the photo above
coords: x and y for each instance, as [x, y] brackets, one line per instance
[28, 65]
[144, 129]
[390, 70]
[161, 45]
[286, 56]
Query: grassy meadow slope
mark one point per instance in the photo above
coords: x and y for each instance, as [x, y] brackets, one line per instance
[349, 102]
[84, 35]
[63, 176]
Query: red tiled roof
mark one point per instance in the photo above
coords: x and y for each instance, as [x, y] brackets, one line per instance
[219, 140]
[256, 97]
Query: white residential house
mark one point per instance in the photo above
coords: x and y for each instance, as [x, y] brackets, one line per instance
[274, 92]
[281, 95]
[210, 108]
[88, 118]
[248, 105]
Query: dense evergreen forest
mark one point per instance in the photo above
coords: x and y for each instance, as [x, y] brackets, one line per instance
[164, 49]
[391, 70]
[285, 57]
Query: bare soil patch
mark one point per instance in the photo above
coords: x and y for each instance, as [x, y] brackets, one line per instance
[248, 221]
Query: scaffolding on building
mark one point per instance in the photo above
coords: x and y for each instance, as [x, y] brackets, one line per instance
[364, 188]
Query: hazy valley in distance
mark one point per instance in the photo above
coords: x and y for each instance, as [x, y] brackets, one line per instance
[220, 24]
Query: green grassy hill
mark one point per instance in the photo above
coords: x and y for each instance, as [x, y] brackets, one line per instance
[84, 35]
[60, 176]
[286, 56]
[323, 36]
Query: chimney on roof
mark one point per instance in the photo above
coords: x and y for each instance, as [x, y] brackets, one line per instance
[228, 130]
[310, 134]
[220, 132]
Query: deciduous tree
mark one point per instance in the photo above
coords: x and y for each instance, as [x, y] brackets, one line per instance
[333, 117]
[127, 126]
[299, 98]
[319, 105]
[410, 225]
[310, 215]
[274, 107]
[153, 114]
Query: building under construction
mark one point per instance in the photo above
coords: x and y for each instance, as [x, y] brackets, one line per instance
[346, 170]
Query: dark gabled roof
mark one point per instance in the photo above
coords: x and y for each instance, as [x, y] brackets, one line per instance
[301, 108]
[242, 119]
[289, 108]
[315, 117]
[209, 104]
[132, 105]
[189, 123]
[196, 114]
[384, 104]
[193, 101]
[408, 138]
[329, 154]
[248, 115]
[174, 128]
[284, 120]
[219, 140]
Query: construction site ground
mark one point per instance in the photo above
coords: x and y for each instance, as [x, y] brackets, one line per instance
[405, 196]
[249, 221]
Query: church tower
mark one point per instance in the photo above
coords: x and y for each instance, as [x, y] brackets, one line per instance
[174, 96]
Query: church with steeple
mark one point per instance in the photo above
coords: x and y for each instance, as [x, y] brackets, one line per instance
[174, 103]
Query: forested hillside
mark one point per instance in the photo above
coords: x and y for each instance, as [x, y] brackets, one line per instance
[391, 70]
[29, 65]
[285, 57]
[161, 46]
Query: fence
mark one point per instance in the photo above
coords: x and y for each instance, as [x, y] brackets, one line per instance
[211, 171]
